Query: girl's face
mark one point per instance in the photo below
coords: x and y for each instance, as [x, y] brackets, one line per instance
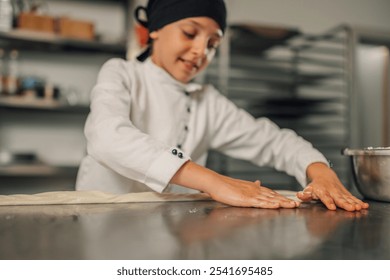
[185, 47]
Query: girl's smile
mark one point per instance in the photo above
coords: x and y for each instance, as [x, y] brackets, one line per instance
[191, 67]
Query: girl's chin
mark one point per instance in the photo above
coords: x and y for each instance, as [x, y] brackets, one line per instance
[184, 81]
[183, 78]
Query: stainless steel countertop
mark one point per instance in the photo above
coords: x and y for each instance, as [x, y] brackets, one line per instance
[192, 230]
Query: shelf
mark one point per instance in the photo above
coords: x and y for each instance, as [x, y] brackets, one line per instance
[41, 41]
[41, 105]
[37, 170]
[255, 39]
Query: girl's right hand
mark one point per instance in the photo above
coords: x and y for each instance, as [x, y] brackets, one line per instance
[249, 194]
[230, 191]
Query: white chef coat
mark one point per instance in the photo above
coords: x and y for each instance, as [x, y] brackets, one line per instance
[140, 115]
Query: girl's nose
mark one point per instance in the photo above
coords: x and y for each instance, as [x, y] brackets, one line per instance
[200, 47]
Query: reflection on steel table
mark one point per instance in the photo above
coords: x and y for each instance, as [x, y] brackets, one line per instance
[192, 230]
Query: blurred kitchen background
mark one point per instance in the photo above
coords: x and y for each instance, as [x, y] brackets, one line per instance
[319, 67]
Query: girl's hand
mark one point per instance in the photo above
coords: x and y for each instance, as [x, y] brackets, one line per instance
[230, 191]
[249, 194]
[326, 186]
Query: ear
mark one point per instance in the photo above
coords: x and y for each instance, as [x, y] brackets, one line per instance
[153, 35]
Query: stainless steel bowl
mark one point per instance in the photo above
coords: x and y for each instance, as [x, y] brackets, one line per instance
[371, 169]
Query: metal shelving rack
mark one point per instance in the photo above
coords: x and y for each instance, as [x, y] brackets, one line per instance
[40, 175]
[18, 103]
[299, 81]
[42, 41]
[33, 40]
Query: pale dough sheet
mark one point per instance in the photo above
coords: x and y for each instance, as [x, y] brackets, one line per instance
[97, 197]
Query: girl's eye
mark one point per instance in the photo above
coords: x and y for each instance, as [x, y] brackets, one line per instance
[189, 35]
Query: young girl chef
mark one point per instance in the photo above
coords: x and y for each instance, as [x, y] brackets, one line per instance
[150, 126]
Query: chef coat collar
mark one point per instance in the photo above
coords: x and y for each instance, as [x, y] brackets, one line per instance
[164, 77]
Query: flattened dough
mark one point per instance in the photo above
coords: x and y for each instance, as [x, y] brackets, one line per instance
[97, 197]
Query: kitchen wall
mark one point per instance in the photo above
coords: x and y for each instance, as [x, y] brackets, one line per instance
[311, 16]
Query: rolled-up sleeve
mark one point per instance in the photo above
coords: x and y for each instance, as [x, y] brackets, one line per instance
[114, 141]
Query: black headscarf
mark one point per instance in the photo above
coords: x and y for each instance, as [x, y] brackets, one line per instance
[162, 12]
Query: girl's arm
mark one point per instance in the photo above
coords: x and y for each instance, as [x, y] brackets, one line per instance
[263, 143]
[228, 190]
[324, 186]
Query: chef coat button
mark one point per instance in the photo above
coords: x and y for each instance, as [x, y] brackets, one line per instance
[187, 93]
[174, 152]
[180, 155]
[188, 109]
[186, 128]
[179, 146]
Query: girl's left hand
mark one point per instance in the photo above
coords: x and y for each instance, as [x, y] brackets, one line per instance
[326, 186]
